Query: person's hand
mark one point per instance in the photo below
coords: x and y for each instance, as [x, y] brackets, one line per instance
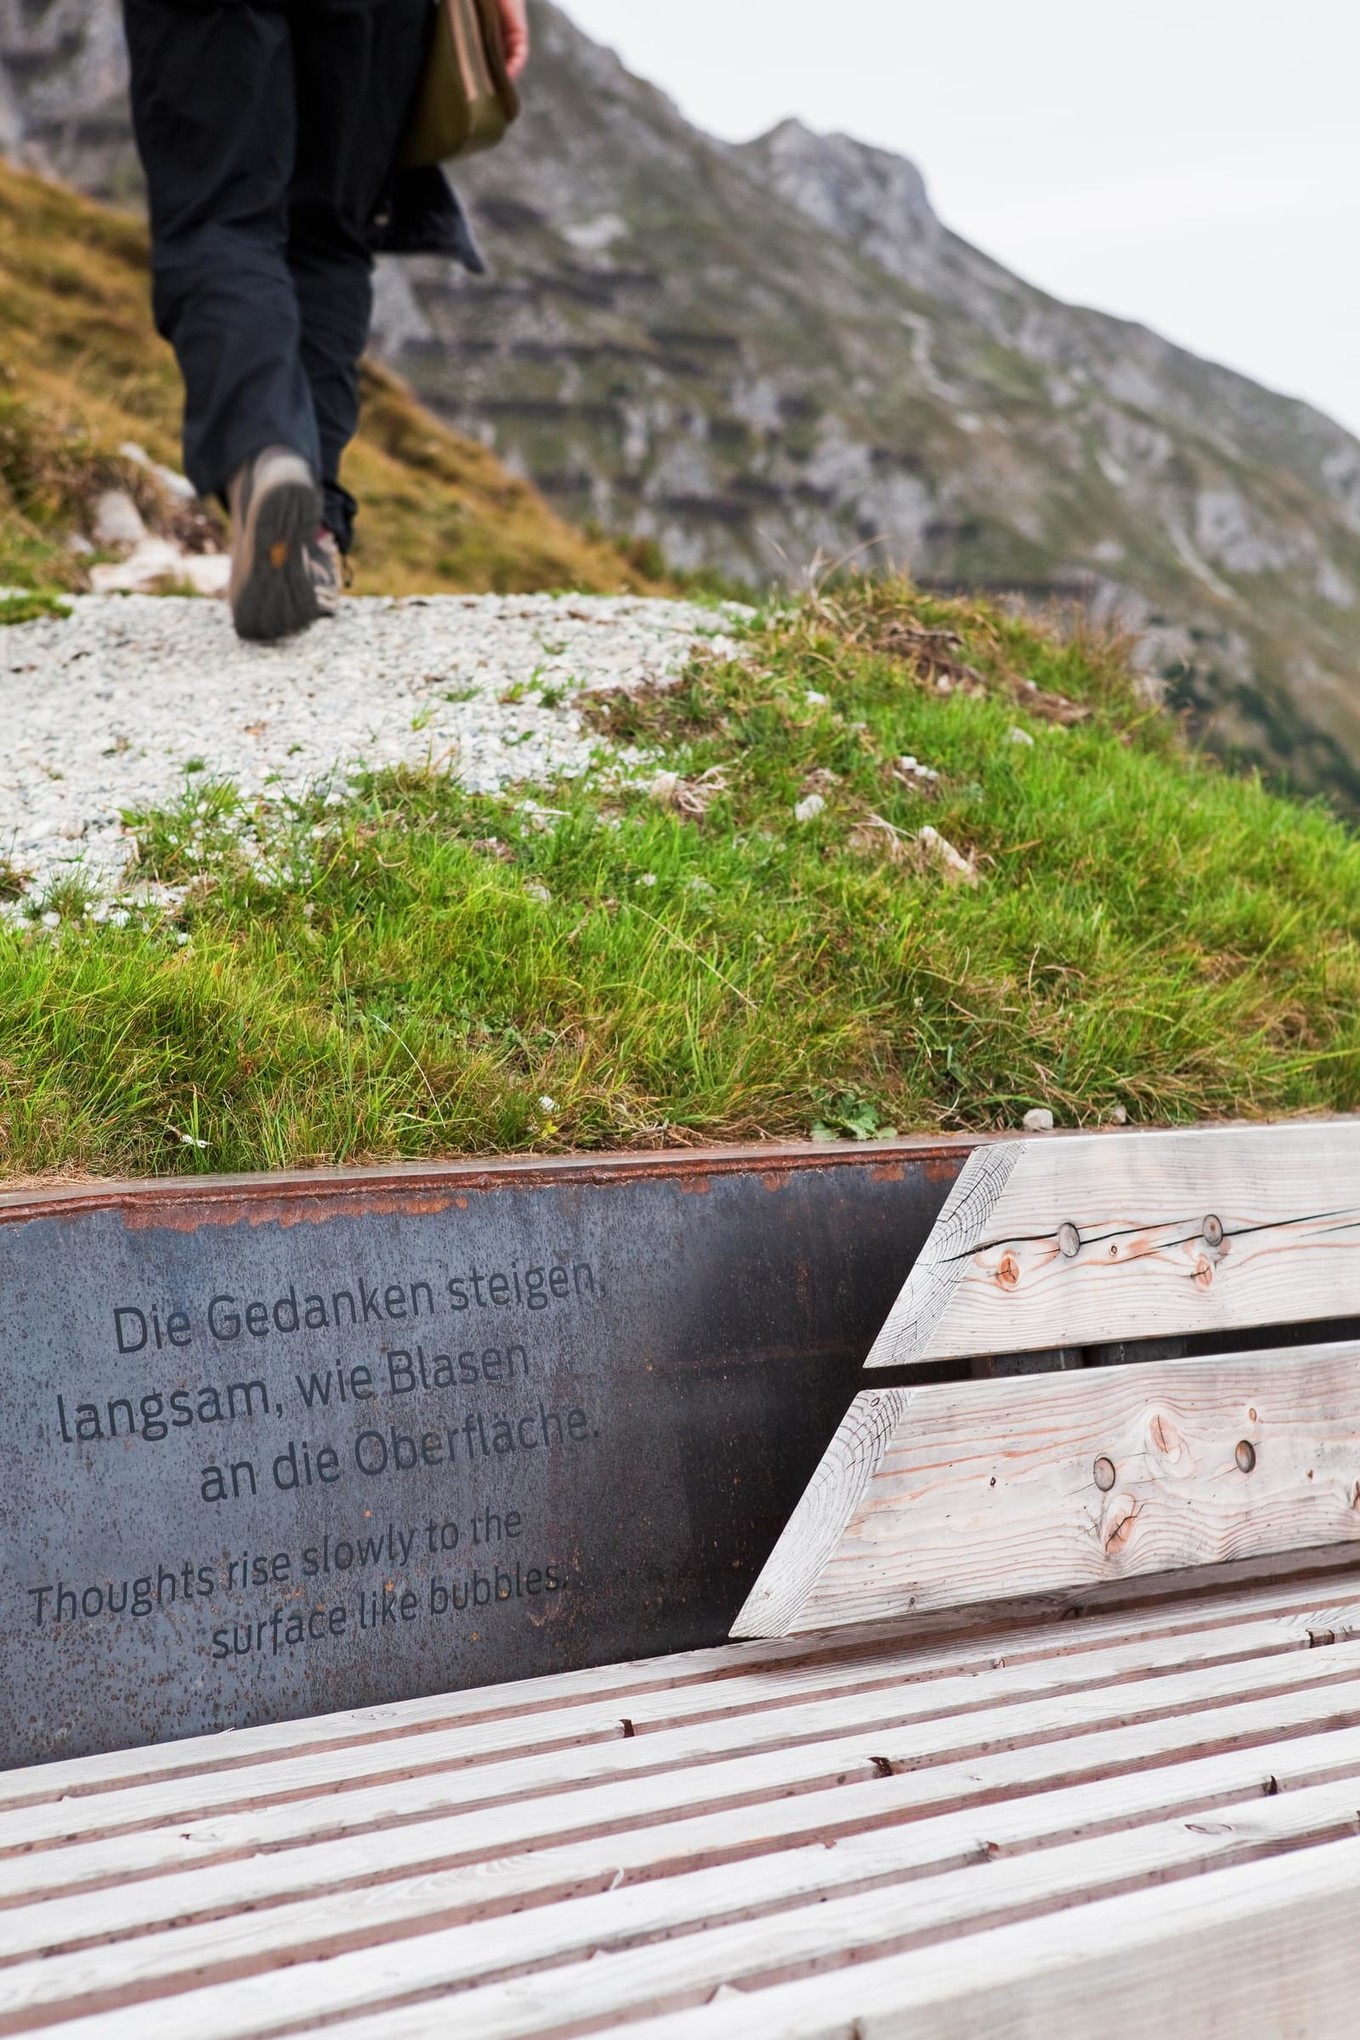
[515, 30]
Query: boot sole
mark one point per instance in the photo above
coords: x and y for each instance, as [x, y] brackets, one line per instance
[277, 598]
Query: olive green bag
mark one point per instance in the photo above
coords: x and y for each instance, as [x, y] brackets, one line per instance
[467, 98]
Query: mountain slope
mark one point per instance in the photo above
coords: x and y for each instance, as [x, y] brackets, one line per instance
[758, 355]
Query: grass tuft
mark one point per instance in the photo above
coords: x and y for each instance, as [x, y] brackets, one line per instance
[678, 958]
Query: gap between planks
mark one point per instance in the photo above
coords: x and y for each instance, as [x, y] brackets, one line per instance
[1032, 1623]
[1254, 1952]
[152, 1965]
[1153, 1676]
[950, 1771]
[662, 1948]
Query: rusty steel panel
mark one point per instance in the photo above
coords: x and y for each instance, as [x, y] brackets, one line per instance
[278, 1445]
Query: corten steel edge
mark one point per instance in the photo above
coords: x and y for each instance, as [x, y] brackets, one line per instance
[277, 1445]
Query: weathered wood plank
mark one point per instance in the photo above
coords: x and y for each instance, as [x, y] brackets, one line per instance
[992, 1750]
[756, 1673]
[654, 1961]
[367, 1859]
[1153, 1676]
[1131, 1759]
[1253, 1952]
[1067, 1242]
[772, 1855]
[965, 1491]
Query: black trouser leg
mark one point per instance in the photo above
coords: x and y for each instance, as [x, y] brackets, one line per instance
[358, 64]
[214, 107]
[268, 130]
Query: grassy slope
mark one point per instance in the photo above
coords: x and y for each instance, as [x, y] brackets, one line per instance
[81, 371]
[1146, 934]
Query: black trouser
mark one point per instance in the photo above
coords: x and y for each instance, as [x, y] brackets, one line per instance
[268, 131]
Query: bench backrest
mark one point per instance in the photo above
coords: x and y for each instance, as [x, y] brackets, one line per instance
[1052, 1255]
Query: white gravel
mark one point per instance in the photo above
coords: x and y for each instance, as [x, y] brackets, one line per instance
[109, 709]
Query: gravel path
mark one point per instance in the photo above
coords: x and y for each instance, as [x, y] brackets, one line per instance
[105, 710]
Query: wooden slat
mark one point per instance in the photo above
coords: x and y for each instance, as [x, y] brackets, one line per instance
[962, 1491]
[949, 1639]
[1068, 1242]
[866, 1818]
[329, 1790]
[663, 1942]
[215, 1886]
[991, 1753]
[1257, 1952]
[816, 1849]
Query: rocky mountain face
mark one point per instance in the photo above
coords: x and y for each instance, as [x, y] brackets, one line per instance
[768, 355]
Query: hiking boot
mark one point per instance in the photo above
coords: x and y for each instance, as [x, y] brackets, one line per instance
[275, 511]
[326, 567]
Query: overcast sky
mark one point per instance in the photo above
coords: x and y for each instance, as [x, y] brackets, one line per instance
[1191, 163]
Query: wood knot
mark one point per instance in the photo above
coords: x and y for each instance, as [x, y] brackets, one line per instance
[1204, 1272]
[1124, 1511]
[1164, 1437]
[1008, 1274]
[1103, 1471]
[1245, 1455]
[1069, 1241]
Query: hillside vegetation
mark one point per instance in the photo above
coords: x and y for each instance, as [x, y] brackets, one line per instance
[82, 374]
[903, 863]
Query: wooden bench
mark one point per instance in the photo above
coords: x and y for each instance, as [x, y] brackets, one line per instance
[1011, 1771]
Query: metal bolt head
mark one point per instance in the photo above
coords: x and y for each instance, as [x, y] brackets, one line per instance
[1213, 1231]
[1103, 1471]
[1069, 1240]
[1245, 1455]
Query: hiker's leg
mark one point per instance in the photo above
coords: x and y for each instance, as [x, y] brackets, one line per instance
[213, 99]
[358, 65]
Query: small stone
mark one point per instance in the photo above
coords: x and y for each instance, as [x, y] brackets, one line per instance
[647, 878]
[1019, 736]
[206, 573]
[1118, 1116]
[957, 868]
[808, 808]
[538, 892]
[117, 520]
[1038, 1120]
[814, 699]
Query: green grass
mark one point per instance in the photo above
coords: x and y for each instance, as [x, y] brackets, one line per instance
[421, 972]
[32, 604]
